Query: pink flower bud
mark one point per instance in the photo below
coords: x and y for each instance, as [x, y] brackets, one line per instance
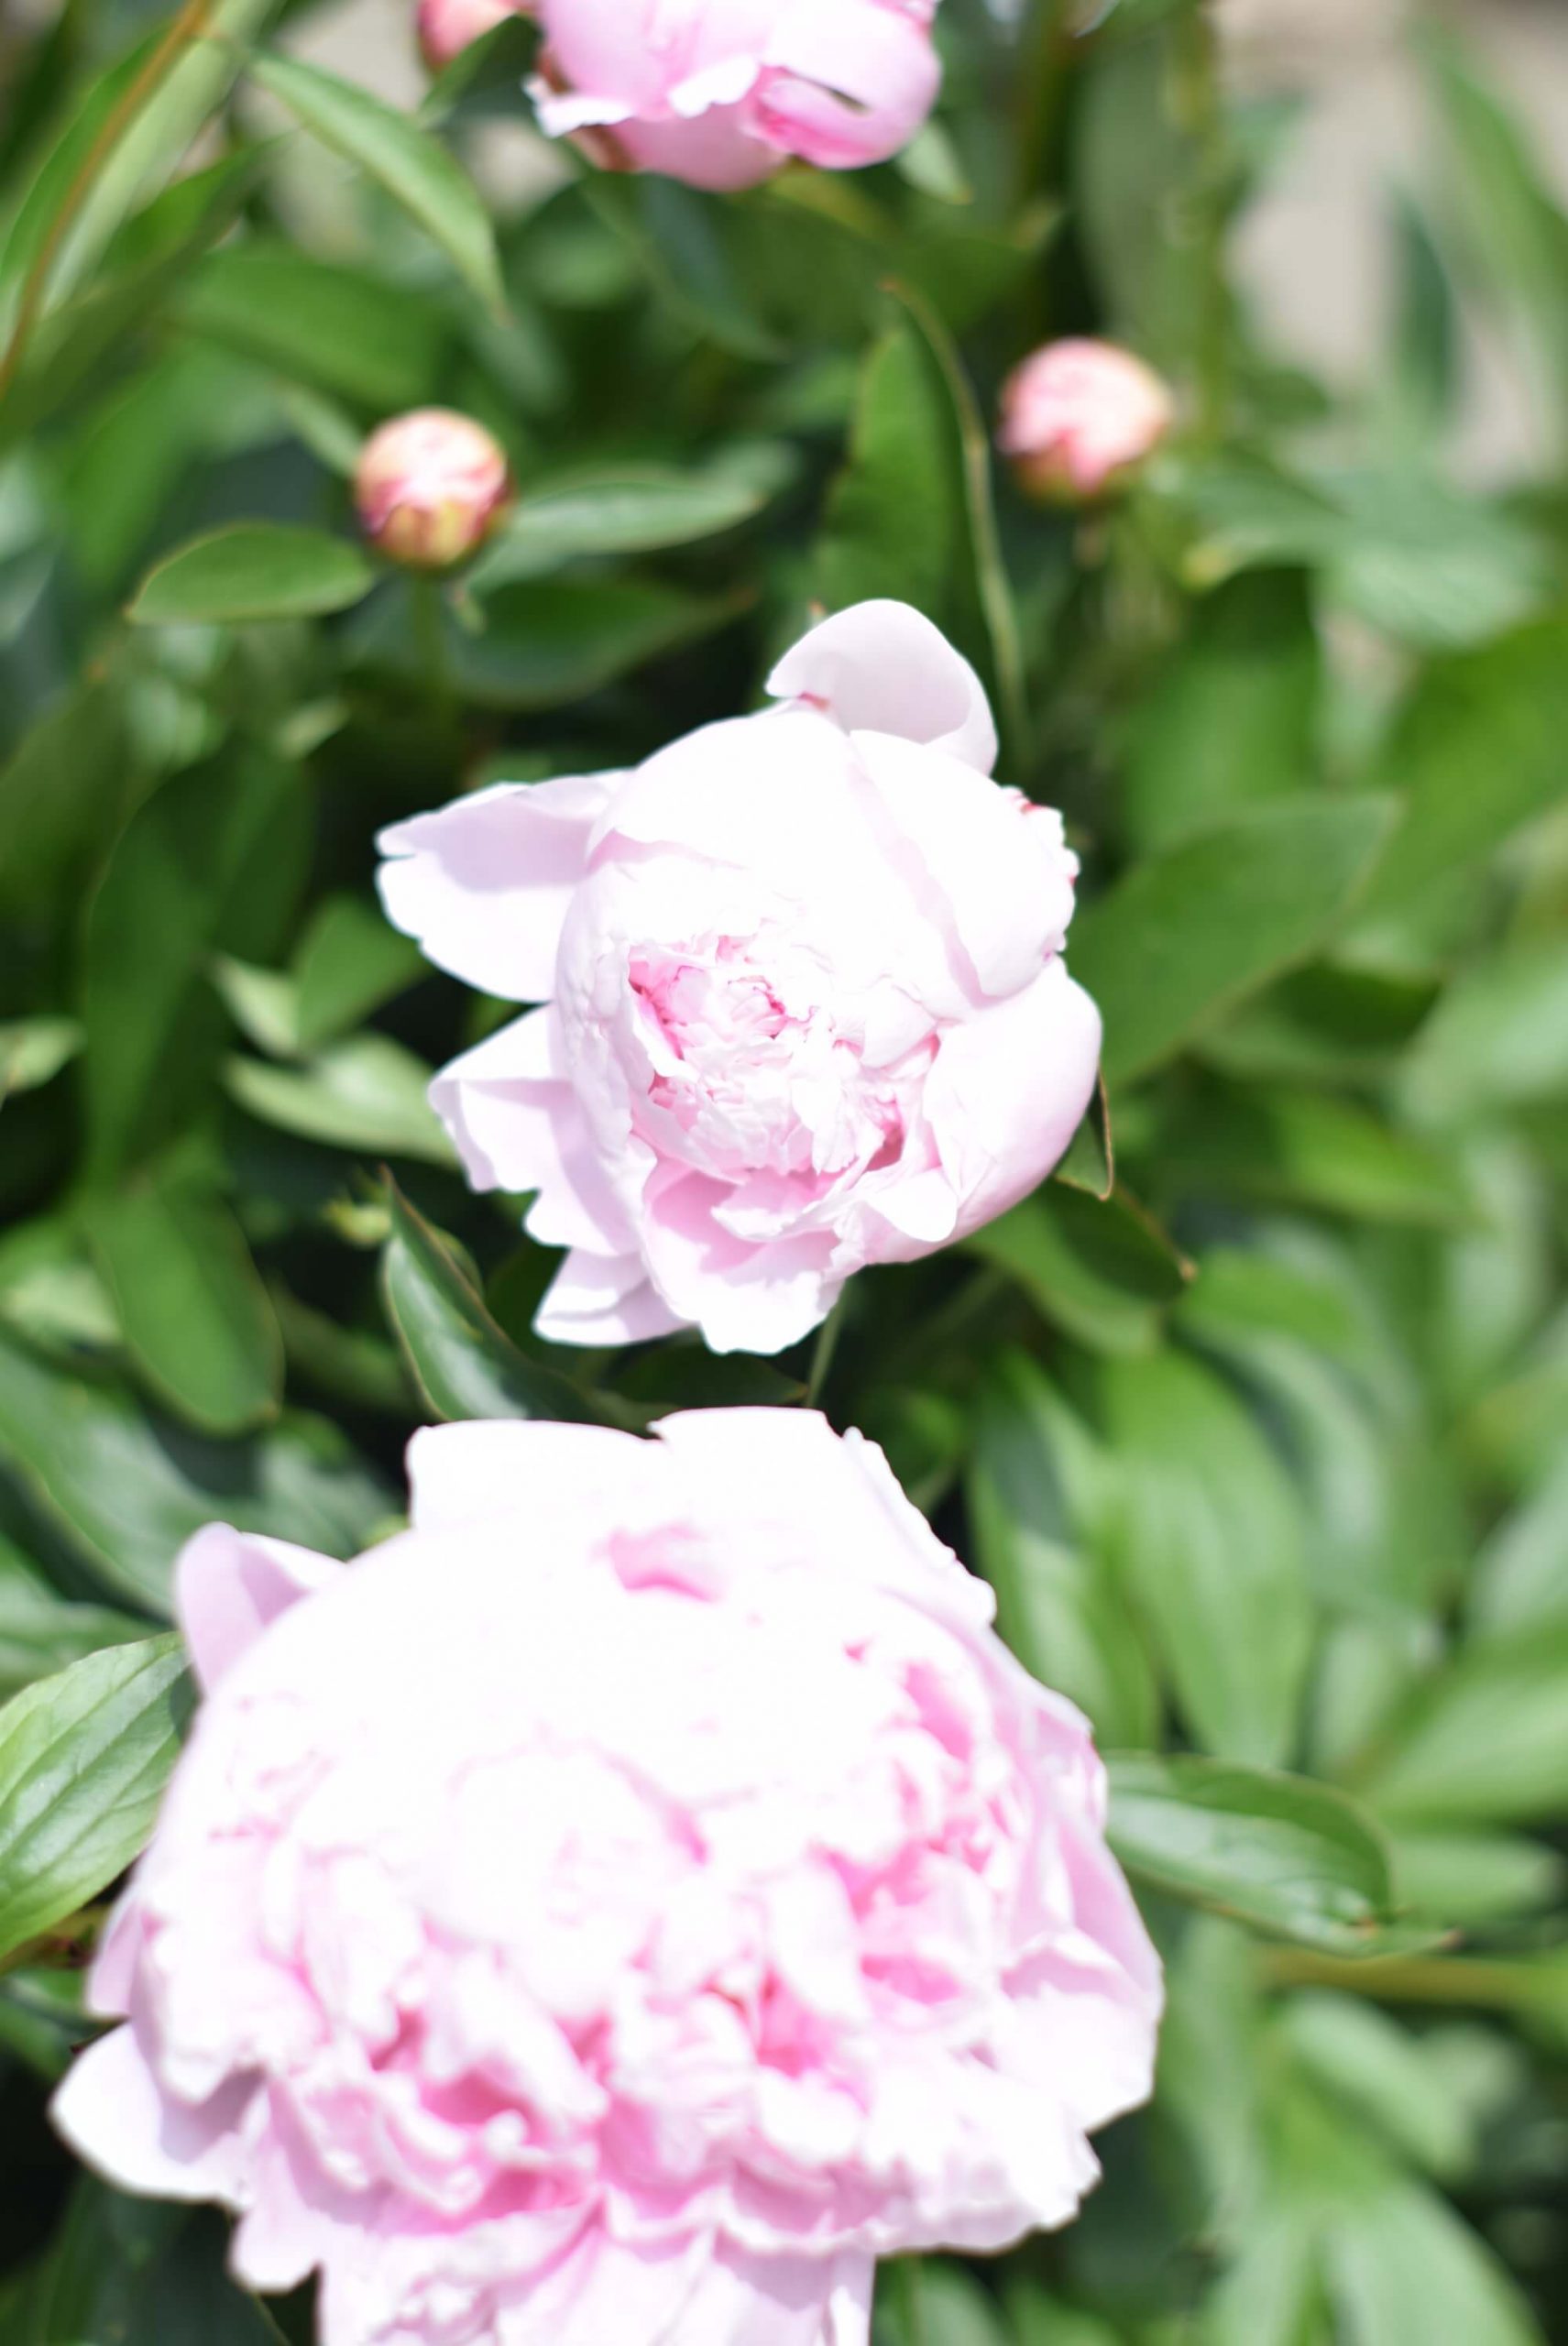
[429, 488]
[446, 27]
[1080, 416]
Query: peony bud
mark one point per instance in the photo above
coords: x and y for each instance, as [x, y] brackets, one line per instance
[1079, 417]
[429, 488]
[446, 27]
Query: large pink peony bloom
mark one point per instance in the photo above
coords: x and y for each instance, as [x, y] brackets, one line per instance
[719, 92]
[807, 1004]
[619, 1910]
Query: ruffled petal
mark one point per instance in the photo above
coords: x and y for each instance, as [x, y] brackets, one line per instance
[604, 1300]
[229, 1586]
[519, 1125]
[112, 2113]
[485, 883]
[744, 1297]
[883, 667]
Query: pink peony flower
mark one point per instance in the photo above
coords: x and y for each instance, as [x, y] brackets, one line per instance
[720, 92]
[446, 27]
[808, 1008]
[430, 486]
[1079, 416]
[619, 1910]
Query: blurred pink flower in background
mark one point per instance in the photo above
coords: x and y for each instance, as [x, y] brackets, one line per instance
[720, 92]
[446, 27]
[807, 1006]
[1077, 416]
[619, 1910]
[429, 488]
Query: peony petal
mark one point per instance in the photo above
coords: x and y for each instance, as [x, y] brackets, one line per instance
[230, 1586]
[485, 883]
[117, 2120]
[746, 2300]
[604, 1300]
[494, 1469]
[744, 1297]
[518, 1125]
[853, 81]
[1009, 1089]
[882, 667]
[995, 860]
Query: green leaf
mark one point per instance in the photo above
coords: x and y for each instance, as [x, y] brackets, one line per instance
[33, 1051]
[133, 2273]
[1309, 1148]
[128, 1490]
[1210, 1540]
[1403, 2265]
[462, 1362]
[1498, 1036]
[1188, 936]
[407, 161]
[1473, 1881]
[1035, 1490]
[367, 1095]
[1100, 1271]
[64, 793]
[911, 516]
[349, 962]
[84, 1760]
[194, 1312]
[338, 330]
[255, 570]
[212, 861]
[545, 644]
[1485, 1738]
[1231, 717]
[40, 1632]
[1477, 753]
[1285, 1856]
[618, 512]
[126, 139]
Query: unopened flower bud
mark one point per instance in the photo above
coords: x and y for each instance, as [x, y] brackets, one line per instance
[430, 486]
[446, 27]
[1079, 417]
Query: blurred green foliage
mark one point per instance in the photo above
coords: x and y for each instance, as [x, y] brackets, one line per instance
[1256, 1417]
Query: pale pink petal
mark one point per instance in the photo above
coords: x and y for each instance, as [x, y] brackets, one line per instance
[717, 149]
[745, 2300]
[1009, 1090]
[604, 1300]
[852, 82]
[519, 1125]
[882, 667]
[744, 1297]
[484, 884]
[496, 1468]
[116, 2120]
[231, 1586]
[998, 862]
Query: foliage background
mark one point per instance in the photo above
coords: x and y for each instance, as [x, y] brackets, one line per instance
[1260, 1434]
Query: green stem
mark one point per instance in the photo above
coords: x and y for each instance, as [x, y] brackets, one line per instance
[1200, 97]
[187, 26]
[1425, 1979]
[430, 633]
[1044, 65]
